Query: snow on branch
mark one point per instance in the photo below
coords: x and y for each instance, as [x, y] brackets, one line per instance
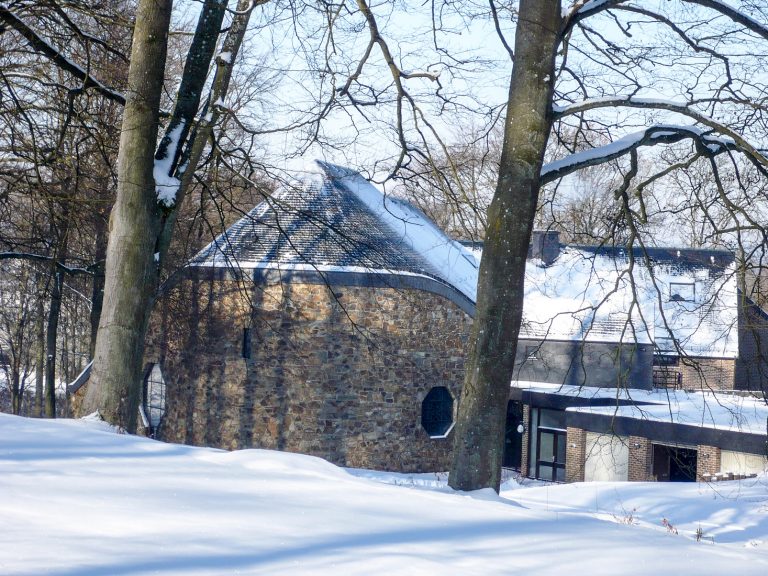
[584, 9]
[658, 134]
[40, 45]
[734, 14]
[166, 185]
[40, 258]
[661, 104]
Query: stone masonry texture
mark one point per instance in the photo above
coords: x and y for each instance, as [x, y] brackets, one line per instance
[338, 372]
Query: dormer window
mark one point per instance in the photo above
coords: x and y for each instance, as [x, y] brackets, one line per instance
[682, 292]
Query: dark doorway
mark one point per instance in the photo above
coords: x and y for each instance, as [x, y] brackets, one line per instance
[671, 464]
[513, 439]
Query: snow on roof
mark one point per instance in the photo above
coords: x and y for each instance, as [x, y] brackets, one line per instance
[702, 409]
[601, 294]
[721, 411]
[333, 220]
[453, 261]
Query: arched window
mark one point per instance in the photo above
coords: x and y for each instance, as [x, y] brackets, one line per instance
[437, 412]
[153, 405]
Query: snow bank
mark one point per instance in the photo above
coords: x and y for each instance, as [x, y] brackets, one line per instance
[79, 500]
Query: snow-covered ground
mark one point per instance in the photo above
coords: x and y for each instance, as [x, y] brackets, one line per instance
[76, 499]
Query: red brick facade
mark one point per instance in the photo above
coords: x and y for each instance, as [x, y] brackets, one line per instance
[525, 457]
[707, 373]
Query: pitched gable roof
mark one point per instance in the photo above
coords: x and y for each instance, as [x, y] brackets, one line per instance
[333, 221]
[651, 295]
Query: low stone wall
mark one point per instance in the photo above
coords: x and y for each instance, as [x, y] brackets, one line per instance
[337, 372]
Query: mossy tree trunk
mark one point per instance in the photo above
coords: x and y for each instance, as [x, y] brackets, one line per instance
[140, 224]
[130, 269]
[478, 448]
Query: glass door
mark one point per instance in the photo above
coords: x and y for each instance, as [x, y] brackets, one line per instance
[548, 444]
[550, 462]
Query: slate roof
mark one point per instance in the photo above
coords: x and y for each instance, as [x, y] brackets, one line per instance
[332, 226]
[328, 223]
[600, 294]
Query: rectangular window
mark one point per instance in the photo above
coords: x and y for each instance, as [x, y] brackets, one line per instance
[682, 291]
[246, 343]
[666, 360]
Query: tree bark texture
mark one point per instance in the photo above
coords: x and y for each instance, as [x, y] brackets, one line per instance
[39, 354]
[51, 337]
[478, 445]
[201, 135]
[97, 287]
[61, 250]
[130, 270]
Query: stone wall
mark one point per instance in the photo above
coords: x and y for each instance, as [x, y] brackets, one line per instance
[337, 372]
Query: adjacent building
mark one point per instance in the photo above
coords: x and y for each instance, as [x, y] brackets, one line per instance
[332, 320]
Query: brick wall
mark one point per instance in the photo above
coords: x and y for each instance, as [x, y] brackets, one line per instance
[707, 461]
[340, 375]
[640, 459]
[752, 364]
[575, 455]
[707, 373]
[525, 458]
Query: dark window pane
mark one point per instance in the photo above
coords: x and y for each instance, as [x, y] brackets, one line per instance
[561, 445]
[547, 447]
[546, 472]
[437, 411]
[552, 418]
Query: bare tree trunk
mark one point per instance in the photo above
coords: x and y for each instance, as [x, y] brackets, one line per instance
[97, 292]
[131, 272]
[140, 227]
[54, 313]
[15, 391]
[479, 437]
[40, 355]
[50, 344]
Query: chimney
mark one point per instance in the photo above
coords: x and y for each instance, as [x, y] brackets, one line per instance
[545, 246]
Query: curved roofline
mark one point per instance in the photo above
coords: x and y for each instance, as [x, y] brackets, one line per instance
[316, 276]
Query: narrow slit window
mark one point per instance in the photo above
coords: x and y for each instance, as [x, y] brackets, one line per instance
[246, 343]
